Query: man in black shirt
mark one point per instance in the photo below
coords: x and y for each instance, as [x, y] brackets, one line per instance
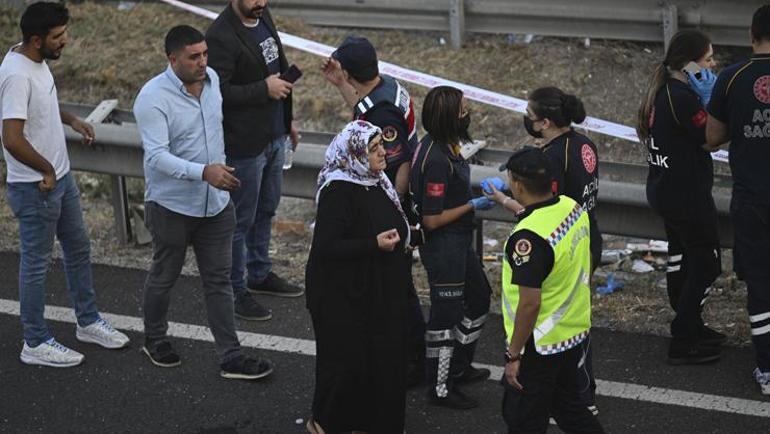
[246, 53]
[739, 112]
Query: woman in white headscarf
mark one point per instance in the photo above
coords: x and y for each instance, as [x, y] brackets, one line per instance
[357, 283]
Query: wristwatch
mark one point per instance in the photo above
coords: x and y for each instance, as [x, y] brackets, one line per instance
[510, 358]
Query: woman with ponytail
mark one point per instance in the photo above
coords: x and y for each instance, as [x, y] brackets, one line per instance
[671, 123]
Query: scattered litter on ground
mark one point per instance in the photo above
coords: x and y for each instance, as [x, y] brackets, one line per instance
[640, 266]
[611, 286]
[652, 246]
[614, 255]
[490, 242]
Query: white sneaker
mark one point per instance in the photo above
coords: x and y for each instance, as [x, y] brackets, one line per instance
[763, 378]
[50, 353]
[101, 333]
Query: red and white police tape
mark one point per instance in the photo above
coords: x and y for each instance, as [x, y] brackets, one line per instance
[471, 92]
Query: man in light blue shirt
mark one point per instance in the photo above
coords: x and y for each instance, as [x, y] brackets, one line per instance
[187, 199]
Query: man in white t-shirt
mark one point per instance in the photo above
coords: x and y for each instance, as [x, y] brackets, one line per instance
[41, 191]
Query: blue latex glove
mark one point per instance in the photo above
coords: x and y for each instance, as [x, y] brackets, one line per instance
[481, 203]
[493, 180]
[704, 85]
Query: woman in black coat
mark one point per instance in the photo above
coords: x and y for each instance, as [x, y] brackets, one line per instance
[357, 284]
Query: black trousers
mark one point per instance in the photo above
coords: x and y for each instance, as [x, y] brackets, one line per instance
[751, 223]
[694, 262]
[459, 292]
[550, 388]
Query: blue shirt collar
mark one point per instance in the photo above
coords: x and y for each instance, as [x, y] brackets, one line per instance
[171, 75]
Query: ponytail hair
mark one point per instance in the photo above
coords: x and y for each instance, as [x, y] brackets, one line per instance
[560, 108]
[685, 46]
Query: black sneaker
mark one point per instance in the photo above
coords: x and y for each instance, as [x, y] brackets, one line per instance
[248, 308]
[455, 399]
[471, 374]
[246, 368]
[709, 336]
[274, 285]
[161, 354]
[680, 353]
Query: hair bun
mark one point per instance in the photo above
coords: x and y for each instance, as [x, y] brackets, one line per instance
[573, 108]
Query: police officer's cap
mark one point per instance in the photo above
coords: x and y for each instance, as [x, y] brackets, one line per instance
[528, 162]
[357, 56]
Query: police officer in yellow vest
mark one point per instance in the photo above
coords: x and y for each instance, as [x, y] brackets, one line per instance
[546, 303]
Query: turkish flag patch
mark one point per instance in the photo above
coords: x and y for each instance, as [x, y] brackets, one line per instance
[699, 120]
[434, 189]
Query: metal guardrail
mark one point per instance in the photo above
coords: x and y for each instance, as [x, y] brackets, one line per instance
[726, 21]
[622, 207]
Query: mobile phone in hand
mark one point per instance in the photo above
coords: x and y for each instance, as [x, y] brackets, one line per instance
[292, 74]
[693, 69]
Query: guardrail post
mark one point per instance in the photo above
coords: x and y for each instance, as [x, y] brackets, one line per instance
[120, 209]
[456, 23]
[670, 23]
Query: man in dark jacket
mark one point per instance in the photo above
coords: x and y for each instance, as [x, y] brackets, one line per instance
[244, 49]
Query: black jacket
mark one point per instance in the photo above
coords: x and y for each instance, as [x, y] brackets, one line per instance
[242, 70]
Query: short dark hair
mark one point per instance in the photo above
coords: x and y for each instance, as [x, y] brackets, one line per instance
[39, 18]
[181, 36]
[760, 24]
[441, 115]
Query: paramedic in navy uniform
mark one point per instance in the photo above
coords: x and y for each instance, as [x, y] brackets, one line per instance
[459, 291]
[672, 124]
[739, 111]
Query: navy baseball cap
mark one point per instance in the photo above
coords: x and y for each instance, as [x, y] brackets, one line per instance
[528, 162]
[358, 57]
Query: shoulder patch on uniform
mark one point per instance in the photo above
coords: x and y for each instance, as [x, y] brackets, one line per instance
[522, 247]
[589, 157]
[762, 89]
[699, 120]
[389, 133]
[434, 189]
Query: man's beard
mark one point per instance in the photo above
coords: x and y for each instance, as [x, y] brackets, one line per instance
[49, 54]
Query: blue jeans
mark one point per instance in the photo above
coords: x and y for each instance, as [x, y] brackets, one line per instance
[42, 216]
[255, 205]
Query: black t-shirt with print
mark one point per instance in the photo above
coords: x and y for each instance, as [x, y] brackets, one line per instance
[741, 99]
[531, 258]
[681, 172]
[440, 180]
[266, 41]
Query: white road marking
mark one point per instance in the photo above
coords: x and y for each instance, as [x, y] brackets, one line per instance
[614, 389]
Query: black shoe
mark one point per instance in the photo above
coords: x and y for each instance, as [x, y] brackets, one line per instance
[454, 399]
[161, 354]
[246, 368]
[709, 336]
[680, 353]
[274, 285]
[471, 374]
[248, 308]
[415, 375]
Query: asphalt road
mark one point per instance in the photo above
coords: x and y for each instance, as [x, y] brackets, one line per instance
[120, 391]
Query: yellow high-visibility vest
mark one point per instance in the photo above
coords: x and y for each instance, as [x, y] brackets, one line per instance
[565, 307]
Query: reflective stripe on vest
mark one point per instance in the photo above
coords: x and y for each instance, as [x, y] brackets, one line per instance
[564, 318]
